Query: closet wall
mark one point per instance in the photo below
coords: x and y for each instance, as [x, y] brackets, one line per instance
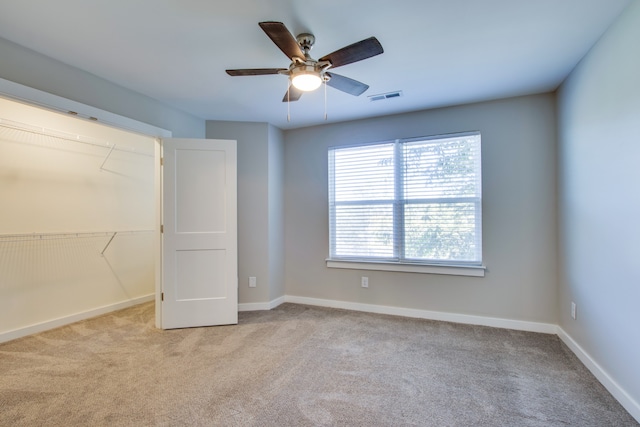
[76, 219]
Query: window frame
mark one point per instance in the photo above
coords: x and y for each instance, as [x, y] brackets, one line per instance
[399, 262]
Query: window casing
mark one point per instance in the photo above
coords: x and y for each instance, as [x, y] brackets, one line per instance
[409, 201]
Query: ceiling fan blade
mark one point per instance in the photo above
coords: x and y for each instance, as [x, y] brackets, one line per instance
[279, 34]
[255, 71]
[345, 84]
[293, 94]
[354, 52]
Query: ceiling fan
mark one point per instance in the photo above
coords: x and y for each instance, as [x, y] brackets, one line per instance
[307, 74]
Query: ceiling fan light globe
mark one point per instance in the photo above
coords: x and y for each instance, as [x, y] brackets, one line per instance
[306, 81]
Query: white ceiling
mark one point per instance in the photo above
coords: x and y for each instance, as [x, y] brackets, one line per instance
[438, 52]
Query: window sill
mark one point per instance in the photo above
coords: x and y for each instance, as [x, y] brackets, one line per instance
[453, 270]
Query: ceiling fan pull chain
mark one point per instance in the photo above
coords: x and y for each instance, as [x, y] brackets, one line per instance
[325, 100]
[288, 102]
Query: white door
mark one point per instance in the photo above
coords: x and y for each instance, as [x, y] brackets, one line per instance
[199, 241]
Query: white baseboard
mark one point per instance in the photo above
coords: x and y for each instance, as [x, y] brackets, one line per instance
[61, 321]
[495, 322]
[258, 306]
[609, 383]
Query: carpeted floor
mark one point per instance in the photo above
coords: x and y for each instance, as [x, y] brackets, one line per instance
[297, 366]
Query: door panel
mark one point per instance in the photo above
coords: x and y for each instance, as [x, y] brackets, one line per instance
[199, 243]
[204, 270]
[200, 172]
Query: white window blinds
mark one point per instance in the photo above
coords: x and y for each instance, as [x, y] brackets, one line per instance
[407, 201]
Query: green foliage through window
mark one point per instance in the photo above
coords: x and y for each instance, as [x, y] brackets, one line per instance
[414, 201]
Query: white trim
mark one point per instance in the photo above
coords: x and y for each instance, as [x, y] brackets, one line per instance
[66, 320]
[259, 306]
[157, 242]
[520, 325]
[57, 103]
[475, 271]
[605, 379]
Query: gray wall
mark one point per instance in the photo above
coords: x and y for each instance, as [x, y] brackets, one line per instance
[276, 212]
[29, 68]
[253, 237]
[260, 248]
[519, 213]
[599, 203]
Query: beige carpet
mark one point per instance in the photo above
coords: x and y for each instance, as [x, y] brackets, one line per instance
[297, 366]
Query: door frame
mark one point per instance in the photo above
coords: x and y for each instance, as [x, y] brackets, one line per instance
[157, 182]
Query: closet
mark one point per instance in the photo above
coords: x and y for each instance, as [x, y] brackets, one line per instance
[77, 217]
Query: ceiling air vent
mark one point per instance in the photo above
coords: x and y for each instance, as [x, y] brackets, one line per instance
[383, 96]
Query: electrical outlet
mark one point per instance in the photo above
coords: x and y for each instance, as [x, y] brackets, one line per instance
[573, 310]
[364, 281]
[252, 282]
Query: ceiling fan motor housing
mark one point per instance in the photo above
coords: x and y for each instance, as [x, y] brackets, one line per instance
[306, 41]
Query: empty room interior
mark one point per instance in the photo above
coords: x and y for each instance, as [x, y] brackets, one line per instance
[444, 232]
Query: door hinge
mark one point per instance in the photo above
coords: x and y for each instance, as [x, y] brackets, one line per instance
[161, 161]
[161, 228]
[162, 296]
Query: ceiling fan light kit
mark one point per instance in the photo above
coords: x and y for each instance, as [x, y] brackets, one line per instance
[306, 78]
[307, 74]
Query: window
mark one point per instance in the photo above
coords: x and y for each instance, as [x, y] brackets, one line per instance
[410, 201]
